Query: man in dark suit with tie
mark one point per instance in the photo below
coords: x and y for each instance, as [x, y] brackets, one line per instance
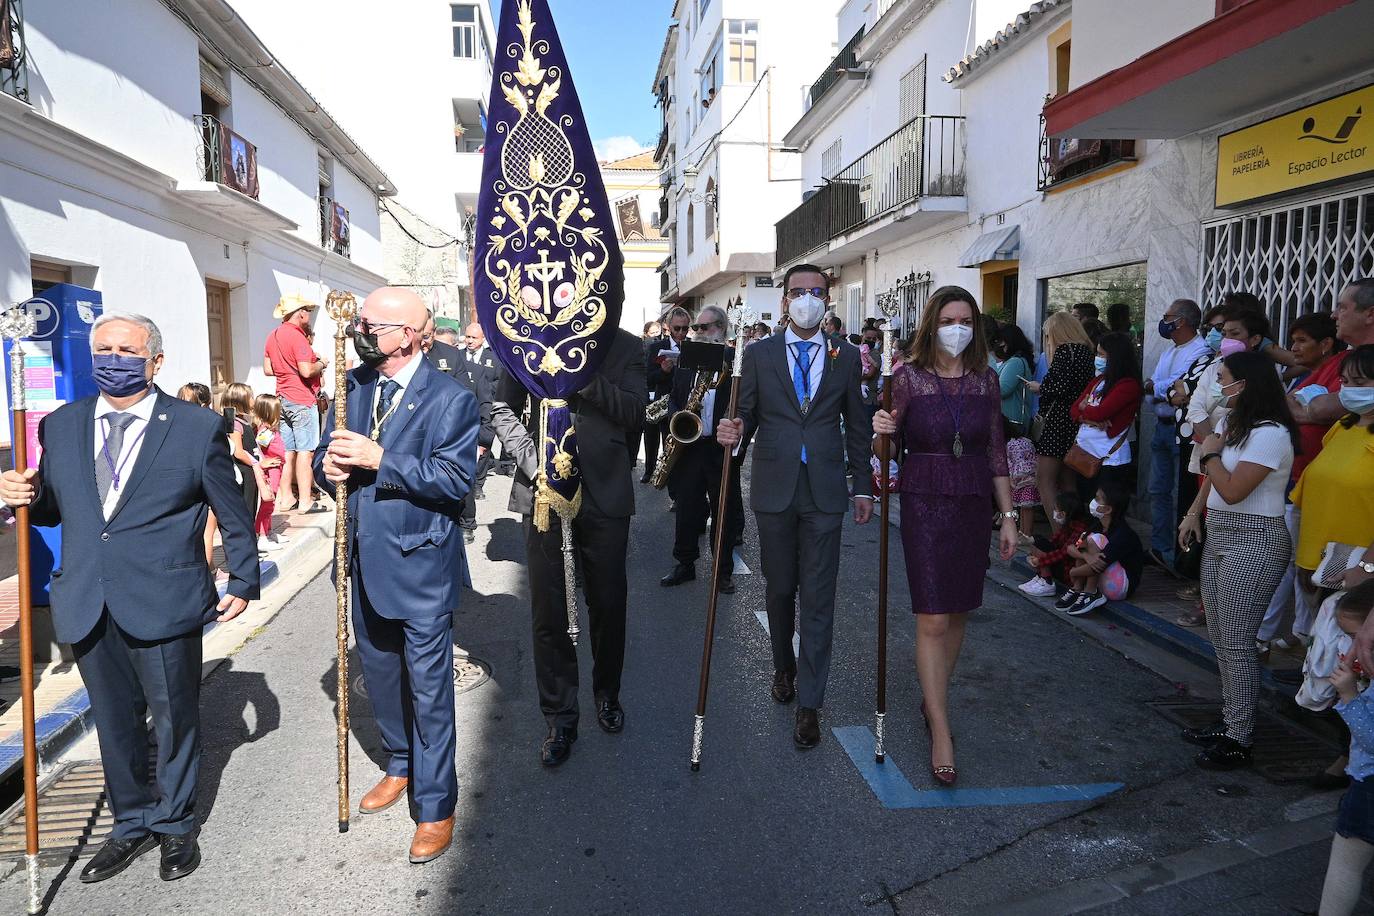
[481, 381]
[606, 412]
[696, 473]
[660, 369]
[131, 476]
[408, 458]
[795, 389]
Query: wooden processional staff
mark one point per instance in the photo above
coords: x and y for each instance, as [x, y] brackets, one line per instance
[739, 320]
[885, 445]
[15, 325]
[342, 308]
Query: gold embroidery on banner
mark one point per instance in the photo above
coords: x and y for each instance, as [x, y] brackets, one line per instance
[540, 192]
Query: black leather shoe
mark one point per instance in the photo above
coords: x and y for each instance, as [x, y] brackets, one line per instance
[808, 731]
[557, 746]
[1204, 736]
[469, 535]
[727, 585]
[180, 856]
[784, 686]
[682, 572]
[1224, 754]
[610, 716]
[479, 492]
[645, 478]
[114, 856]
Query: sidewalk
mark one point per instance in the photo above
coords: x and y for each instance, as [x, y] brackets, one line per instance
[62, 706]
[1279, 870]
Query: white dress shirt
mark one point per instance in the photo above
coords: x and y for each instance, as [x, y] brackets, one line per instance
[1172, 363]
[818, 357]
[402, 378]
[142, 413]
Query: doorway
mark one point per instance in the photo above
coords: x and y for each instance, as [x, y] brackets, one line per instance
[217, 319]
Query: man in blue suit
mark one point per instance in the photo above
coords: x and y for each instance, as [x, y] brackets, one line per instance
[408, 457]
[131, 475]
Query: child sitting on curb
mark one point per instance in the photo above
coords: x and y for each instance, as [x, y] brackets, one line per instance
[1110, 561]
[1049, 557]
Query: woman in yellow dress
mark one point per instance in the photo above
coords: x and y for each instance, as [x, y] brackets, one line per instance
[1336, 491]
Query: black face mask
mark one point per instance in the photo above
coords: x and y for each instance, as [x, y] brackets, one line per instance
[368, 350]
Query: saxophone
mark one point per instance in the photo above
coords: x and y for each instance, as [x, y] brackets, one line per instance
[684, 427]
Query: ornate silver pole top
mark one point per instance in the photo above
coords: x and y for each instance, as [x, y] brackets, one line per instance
[739, 318]
[16, 324]
[889, 307]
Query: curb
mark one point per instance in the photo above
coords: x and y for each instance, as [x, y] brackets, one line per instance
[69, 721]
[1140, 880]
[1178, 641]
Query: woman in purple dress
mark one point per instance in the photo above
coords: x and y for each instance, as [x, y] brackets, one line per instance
[947, 419]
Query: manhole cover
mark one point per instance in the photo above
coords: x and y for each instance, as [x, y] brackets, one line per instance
[469, 673]
[1284, 752]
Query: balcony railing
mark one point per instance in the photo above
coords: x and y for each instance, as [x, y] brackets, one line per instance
[226, 158]
[334, 226]
[923, 158]
[1063, 159]
[847, 59]
[14, 70]
[662, 145]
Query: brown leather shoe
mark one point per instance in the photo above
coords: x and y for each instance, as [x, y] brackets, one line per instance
[384, 794]
[432, 840]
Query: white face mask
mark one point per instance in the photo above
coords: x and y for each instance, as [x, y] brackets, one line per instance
[807, 311]
[954, 338]
[1098, 510]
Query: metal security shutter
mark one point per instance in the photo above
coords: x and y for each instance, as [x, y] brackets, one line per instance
[911, 94]
[853, 307]
[1296, 259]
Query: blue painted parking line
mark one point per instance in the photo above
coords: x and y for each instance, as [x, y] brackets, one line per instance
[895, 792]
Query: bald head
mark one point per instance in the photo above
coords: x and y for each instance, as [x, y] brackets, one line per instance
[396, 317]
[474, 337]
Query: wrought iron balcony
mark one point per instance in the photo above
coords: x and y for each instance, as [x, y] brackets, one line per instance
[847, 59]
[227, 158]
[14, 70]
[334, 227]
[923, 158]
[1063, 159]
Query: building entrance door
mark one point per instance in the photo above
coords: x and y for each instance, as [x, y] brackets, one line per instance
[221, 340]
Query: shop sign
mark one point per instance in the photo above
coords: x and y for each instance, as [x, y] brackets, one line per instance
[1316, 145]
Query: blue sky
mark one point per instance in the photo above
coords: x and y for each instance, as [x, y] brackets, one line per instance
[612, 48]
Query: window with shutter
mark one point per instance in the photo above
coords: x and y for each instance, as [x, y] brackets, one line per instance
[911, 93]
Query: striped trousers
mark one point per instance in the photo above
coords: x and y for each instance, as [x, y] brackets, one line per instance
[1242, 563]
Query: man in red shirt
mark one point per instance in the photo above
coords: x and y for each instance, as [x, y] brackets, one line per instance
[289, 359]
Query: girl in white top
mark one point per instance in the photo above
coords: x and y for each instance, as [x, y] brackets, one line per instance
[1247, 463]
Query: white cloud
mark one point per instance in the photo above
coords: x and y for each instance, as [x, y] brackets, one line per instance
[609, 149]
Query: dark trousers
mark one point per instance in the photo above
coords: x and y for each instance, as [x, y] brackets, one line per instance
[408, 665]
[696, 479]
[653, 439]
[468, 518]
[127, 678]
[800, 553]
[602, 545]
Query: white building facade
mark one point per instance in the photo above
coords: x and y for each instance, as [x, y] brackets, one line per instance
[633, 192]
[732, 76]
[417, 101]
[146, 152]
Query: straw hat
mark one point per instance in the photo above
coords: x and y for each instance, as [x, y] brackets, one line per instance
[286, 305]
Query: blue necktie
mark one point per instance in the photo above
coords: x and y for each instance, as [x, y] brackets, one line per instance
[385, 400]
[801, 379]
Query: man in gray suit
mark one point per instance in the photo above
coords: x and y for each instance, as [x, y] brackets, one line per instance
[794, 391]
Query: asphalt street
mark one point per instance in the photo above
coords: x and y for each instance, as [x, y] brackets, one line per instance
[624, 827]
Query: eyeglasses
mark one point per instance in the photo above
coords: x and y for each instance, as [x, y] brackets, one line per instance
[819, 292]
[705, 327]
[364, 326]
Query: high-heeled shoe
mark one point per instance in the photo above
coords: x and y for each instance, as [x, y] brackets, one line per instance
[945, 776]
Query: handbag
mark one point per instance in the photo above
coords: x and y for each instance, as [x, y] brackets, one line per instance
[1037, 427]
[1088, 464]
[1337, 558]
[1015, 429]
